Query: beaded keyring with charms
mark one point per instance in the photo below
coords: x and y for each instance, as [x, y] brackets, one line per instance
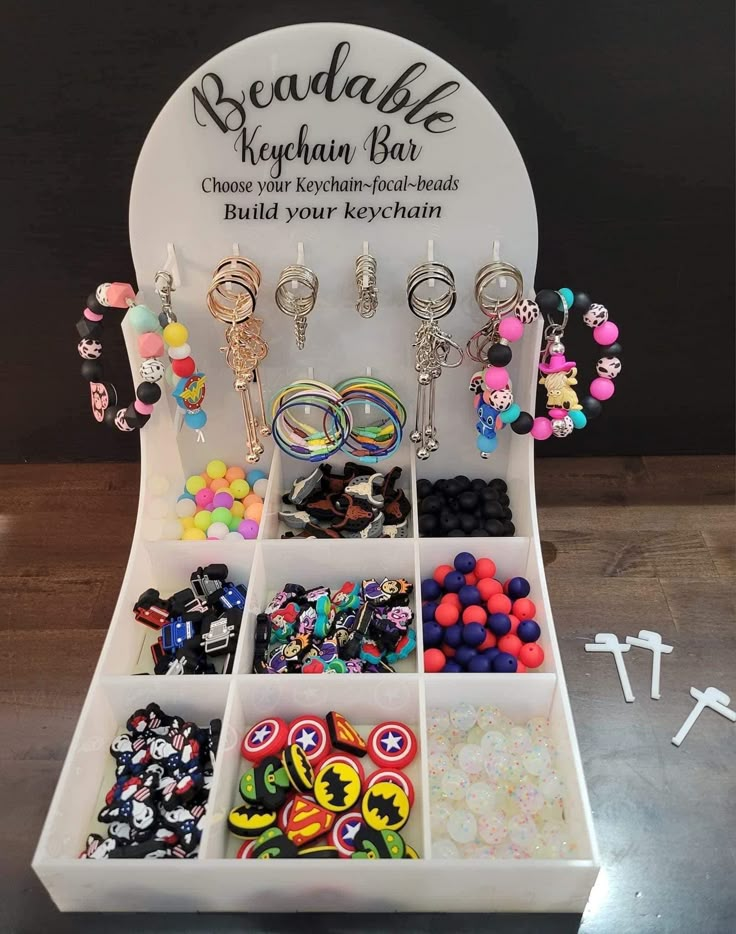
[189, 389]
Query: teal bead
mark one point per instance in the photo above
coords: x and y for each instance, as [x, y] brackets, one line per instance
[142, 319]
[568, 296]
[486, 445]
[511, 414]
[578, 418]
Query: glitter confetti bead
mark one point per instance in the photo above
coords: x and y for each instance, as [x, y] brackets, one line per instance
[463, 716]
[438, 721]
[444, 849]
[480, 798]
[462, 826]
[491, 828]
[439, 764]
[455, 784]
[470, 759]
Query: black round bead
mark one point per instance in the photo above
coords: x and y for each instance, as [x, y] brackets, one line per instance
[489, 495]
[110, 416]
[453, 488]
[492, 510]
[97, 307]
[523, 424]
[468, 501]
[149, 393]
[591, 407]
[613, 350]
[456, 533]
[439, 485]
[509, 528]
[134, 418]
[468, 523]
[504, 499]
[499, 484]
[448, 520]
[92, 371]
[581, 303]
[163, 319]
[478, 533]
[507, 514]
[493, 527]
[477, 485]
[463, 482]
[547, 300]
[500, 355]
[432, 503]
[428, 524]
[424, 488]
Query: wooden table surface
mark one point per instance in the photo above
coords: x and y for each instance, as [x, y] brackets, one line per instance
[629, 544]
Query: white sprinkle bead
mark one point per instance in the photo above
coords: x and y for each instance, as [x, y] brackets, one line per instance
[463, 717]
[470, 759]
[462, 826]
[455, 784]
[438, 721]
[444, 849]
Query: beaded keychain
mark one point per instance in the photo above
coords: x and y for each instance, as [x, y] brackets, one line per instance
[103, 395]
[189, 384]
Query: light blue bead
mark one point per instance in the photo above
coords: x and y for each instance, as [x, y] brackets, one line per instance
[568, 296]
[142, 319]
[486, 445]
[185, 495]
[196, 419]
[254, 475]
[578, 418]
[511, 414]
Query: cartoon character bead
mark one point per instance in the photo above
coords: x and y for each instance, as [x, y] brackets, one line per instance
[486, 424]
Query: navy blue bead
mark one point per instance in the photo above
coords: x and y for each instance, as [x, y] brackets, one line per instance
[469, 595]
[464, 562]
[504, 663]
[480, 665]
[433, 634]
[454, 635]
[490, 654]
[464, 655]
[474, 634]
[528, 630]
[454, 581]
[518, 587]
[431, 590]
[451, 667]
[428, 612]
[499, 624]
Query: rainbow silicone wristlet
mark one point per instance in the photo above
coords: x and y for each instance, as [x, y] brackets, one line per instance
[304, 441]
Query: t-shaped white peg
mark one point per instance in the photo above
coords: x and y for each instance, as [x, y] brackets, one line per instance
[710, 697]
[608, 642]
[653, 641]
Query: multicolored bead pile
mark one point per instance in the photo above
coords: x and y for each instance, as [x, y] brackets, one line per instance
[495, 791]
[163, 772]
[473, 622]
[461, 507]
[362, 627]
[307, 793]
[196, 625]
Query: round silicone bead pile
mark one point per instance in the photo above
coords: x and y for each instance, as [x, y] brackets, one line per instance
[223, 502]
[513, 808]
[461, 507]
[473, 622]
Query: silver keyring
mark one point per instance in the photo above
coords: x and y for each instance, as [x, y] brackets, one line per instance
[427, 308]
[565, 315]
[498, 306]
[294, 303]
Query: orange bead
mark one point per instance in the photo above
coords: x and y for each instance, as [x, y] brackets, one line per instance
[511, 644]
[254, 511]
[453, 600]
[234, 473]
[531, 655]
[446, 614]
[206, 477]
[475, 614]
[219, 484]
[441, 572]
[251, 499]
[514, 622]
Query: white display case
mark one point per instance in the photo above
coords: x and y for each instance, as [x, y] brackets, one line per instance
[174, 223]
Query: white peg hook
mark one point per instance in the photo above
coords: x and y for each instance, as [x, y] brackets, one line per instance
[299, 262]
[496, 256]
[171, 266]
[310, 375]
[368, 372]
[608, 642]
[710, 697]
[652, 641]
[236, 249]
[430, 259]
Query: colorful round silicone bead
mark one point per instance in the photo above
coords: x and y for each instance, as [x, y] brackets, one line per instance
[602, 388]
[392, 745]
[532, 655]
[248, 528]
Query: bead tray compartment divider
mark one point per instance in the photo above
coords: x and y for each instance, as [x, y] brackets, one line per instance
[339, 344]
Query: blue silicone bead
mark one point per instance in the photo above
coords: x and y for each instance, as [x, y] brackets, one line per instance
[528, 630]
[518, 587]
[254, 475]
[464, 655]
[511, 414]
[184, 495]
[480, 664]
[451, 667]
[196, 419]
[454, 635]
[433, 634]
[454, 581]
[486, 445]
[490, 654]
[469, 595]
[568, 296]
[499, 624]
[428, 612]
[578, 418]
[474, 634]
[464, 562]
[431, 590]
[142, 319]
[504, 663]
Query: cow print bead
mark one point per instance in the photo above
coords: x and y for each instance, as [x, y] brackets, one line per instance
[89, 349]
[527, 311]
[562, 427]
[595, 315]
[609, 367]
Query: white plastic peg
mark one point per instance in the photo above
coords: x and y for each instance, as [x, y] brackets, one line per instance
[430, 259]
[496, 256]
[608, 642]
[710, 697]
[171, 265]
[299, 262]
[236, 249]
[652, 641]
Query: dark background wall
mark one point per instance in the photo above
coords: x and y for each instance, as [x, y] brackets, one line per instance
[622, 110]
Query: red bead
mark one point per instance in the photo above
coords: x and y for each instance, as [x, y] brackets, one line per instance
[453, 600]
[531, 655]
[488, 643]
[441, 572]
[484, 567]
[499, 603]
[471, 579]
[524, 608]
[183, 367]
[487, 587]
[520, 667]
[446, 614]
[434, 660]
[514, 622]
[448, 651]
[475, 614]
[511, 644]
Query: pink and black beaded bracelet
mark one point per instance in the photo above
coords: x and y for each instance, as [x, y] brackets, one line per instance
[103, 395]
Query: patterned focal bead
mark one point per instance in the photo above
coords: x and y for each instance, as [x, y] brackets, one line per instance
[89, 349]
[501, 399]
[152, 371]
[120, 422]
[562, 427]
[609, 367]
[595, 315]
[527, 311]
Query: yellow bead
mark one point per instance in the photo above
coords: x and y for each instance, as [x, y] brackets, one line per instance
[237, 509]
[216, 469]
[175, 334]
[192, 535]
[187, 522]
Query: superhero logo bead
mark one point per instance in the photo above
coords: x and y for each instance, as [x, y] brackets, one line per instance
[321, 851]
[307, 820]
[392, 744]
[266, 738]
[248, 820]
[378, 844]
[344, 736]
[398, 778]
[246, 850]
[345, 759]
[337, 787]
[298, 768]
[274, 844]
[385, 806]
[342, 835]
[310, 734]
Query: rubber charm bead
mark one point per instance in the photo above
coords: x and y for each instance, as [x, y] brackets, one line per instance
[342, 835]
[434, 660]
[142, 319]
[523, 424]
[531, 655]
[606, 333]
[602, 388]
[150, 345]
[541, 429]
[500, 354]
[265, 738]
[307, 821]
[392, 744]
[337, 786]
[511, 329]
[176, 334]
[345, 759]
[183, 367]
[310, 733]
[246, 850]
[118, 294]
[250, 820]
[511, 414]
[385, 806]
[496, 378]
[273, 844]
[578, 418]
[298, 768]
[396, 778]
[344, 736]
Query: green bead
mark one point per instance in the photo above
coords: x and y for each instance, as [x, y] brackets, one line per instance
[578, 418]
[222, 514]
[511, 414]
[142, 319]
[567, 296]
[234, 523]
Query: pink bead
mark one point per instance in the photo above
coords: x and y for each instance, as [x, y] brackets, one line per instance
[557, 413]
[118, 294]
[150, 345]
[91, 316]
[606, 333]
[541, 429]
[511, 329]
[144, 408]
[496, 377]
[204, 497]
[602, 388]
[248, 528]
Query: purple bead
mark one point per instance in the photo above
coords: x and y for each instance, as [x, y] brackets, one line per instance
[473, 633]
[469, 595]
[528, 630]
[518, 587]
[451, 667]
[433, 634]
[464, 655]
[428, 612]
[480, 665]
[499, 624]
[504, 663]
[431, 590]
[454, 581]
[464, 562]
[454, 635]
